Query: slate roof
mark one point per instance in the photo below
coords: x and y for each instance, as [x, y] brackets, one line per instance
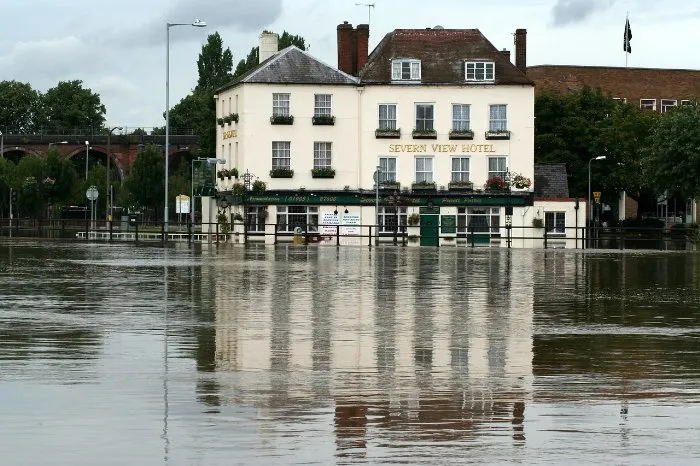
[442, 53]
[551, 180]
[293, 66]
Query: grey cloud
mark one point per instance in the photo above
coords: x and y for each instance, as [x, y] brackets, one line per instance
[575, 11]
[243, 16]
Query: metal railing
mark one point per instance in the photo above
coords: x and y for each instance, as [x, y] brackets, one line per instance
[366, 234]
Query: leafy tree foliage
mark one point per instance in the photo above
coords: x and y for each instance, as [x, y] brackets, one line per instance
[20, 108]
[672, 159]
[214, 64]
[146, 182]
[69, 105]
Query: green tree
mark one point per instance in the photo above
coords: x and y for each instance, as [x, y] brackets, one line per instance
[30, 185]
[70, 106]
[672, 161]
[21, 107]
[145, 184]
[214, 64]
[61, 177]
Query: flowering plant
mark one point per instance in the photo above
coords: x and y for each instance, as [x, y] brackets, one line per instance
[495, 182]
[520, 181]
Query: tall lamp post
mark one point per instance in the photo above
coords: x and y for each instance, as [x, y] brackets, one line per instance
[199, 24]
[2, 145]
[87, 157]
[590, 193]
[377, 180]
[109, 180]
[209, 161]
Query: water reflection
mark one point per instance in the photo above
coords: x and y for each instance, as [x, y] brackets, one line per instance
[321, 355]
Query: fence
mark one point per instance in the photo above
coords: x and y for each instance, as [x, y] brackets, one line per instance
[367, 234]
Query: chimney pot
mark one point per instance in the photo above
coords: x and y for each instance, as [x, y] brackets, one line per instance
[268, 46]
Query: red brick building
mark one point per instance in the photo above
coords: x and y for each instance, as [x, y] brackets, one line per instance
[650, 88]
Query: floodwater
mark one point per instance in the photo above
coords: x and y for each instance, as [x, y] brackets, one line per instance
[118, 354]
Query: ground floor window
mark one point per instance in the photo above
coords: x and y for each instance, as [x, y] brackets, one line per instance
[255, 218]
[555, 223]
[293, 216]
[392, 219]
[480, 220]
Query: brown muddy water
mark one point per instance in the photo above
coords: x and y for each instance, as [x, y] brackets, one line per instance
[118, 354]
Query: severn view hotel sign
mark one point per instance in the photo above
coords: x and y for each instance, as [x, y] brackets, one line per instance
[448, 148]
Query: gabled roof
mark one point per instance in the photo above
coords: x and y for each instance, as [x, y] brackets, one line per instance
[442, 53]
[292, 66]
[551, 180]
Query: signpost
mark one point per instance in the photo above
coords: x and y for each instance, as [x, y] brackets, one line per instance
[92, 194]
[182, 206]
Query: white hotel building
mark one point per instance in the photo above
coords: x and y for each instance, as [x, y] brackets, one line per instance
[438, 111]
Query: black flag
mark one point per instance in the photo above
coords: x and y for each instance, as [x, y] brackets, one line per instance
[628, 37]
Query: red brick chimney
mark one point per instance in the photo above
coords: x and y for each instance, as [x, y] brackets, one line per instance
[347, 51]
[362, 47]
[521, 49]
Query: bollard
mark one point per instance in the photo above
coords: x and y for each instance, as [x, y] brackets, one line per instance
[545, 238]
[136, 232]
[369, 242]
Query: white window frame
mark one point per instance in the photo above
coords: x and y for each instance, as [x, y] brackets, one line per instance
[501, 168]
[425, 123]
[668, 104]
[498, 121]
[405, 69]
[686, 102]
[424, 169]
[555, 223]
[281, 154]
[647, 104]
[483, 220]
[460, 122]
[300, 215]
[323, 154]
[280, 104]
[479, 71]
[389, 218]
[461, 169]
[620, 99]
[323, 105]
[255, 218]
[387, 122]
[388, 167]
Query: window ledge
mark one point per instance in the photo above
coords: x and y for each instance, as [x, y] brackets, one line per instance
[281, 173]
[323, 120]
[387, 133]
[282, 120]
[424, 134]
[463, 135]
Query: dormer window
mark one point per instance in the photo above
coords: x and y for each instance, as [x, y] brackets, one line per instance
[405, 70]
[479, 71]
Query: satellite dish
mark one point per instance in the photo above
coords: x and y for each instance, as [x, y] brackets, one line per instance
[438, 27]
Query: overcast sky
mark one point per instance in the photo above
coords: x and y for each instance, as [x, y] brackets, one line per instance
[118, 48]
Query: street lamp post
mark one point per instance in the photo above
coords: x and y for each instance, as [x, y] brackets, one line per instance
[87, 157]
[199, 24]
[377, 179]
[209, 160]
[2, 145]
[109, 180]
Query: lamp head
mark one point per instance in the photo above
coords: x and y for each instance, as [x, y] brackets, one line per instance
[600, 157]
[199, 24]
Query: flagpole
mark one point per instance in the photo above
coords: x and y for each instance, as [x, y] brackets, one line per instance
[627, 21]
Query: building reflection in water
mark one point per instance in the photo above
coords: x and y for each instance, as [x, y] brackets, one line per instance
[396, 344]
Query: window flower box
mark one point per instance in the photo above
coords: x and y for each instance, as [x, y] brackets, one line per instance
[323, 172]
[424, 186]
[323, 120]
[385, 133]
[502, 134]
[224, 173]
[390, 185]
[460, 186]
[231, 118]
[424, 134]
[463, 134]
[221, 122]
[496, 183]
[282, 172]
[282, 120]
